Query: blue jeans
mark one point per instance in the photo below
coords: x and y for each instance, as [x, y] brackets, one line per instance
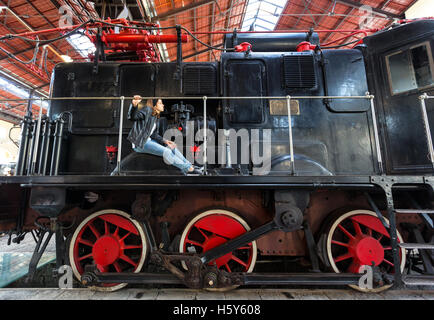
[172, 157]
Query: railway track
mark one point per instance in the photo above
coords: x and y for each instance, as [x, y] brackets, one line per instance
[190, 294]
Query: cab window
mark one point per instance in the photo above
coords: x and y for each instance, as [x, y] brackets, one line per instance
[410, 69]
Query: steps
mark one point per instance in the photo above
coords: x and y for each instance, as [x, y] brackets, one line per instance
[418, 280]
[426, 250]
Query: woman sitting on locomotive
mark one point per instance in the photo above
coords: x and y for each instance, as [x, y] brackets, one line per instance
[145, 138]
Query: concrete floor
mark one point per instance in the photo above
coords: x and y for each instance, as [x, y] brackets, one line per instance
[190, 294]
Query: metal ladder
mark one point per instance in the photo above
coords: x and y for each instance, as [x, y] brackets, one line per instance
[426, 250]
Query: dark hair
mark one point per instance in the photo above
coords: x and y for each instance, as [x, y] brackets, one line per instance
[152, 102]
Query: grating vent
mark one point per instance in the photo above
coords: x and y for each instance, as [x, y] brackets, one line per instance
[299, 71]
[200, 80]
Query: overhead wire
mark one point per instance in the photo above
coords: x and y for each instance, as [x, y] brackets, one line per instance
[341, 45]
[44, 42]
[13, 56]
[82, 25]
[45, 64]
[76, 29]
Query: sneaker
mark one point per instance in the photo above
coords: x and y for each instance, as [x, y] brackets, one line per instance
[198, 168]
[195, 172]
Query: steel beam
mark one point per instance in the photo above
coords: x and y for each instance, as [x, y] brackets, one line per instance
[41, 14]
[73, 8]
[6, 116]
[29, 27]
[336, 26]
[20, 81]
[228, 20]
[310, 12]
[212, 28]
[323, 17]
[194, 26]
[382, 12]
[184, 9]
[119, 5]
[300, 17]
[15, 64]
[383, 5]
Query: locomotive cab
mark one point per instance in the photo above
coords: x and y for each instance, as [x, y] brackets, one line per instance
[400, 70]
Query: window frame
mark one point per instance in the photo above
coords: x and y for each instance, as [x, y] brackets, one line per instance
[427, 44]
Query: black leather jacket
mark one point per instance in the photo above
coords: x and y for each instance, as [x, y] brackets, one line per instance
[143, 123]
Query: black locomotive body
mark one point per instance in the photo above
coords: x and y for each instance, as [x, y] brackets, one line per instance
[332, 138]
[324, 196]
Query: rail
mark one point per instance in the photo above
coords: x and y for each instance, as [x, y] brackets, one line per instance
[288, 98]
[422, 99]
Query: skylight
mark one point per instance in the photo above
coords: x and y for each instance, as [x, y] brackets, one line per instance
[81, 44]
[19, 92]
[262, 15]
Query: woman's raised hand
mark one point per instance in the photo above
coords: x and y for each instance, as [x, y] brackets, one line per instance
[170, 144]
[136, 100]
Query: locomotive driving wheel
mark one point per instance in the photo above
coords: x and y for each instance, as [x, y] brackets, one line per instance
[110, 240]
[358, 238]
[213, 228]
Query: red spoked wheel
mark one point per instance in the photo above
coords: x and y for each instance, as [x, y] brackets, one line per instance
[358, 238]
[214, 227]
[112, 241]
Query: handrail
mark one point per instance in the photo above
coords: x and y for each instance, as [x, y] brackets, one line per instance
[426, 125]
[376, 136]
[205, 98]
[204, 137]
[121, 122]
[192, 98]
[291, 143]
[36, 145]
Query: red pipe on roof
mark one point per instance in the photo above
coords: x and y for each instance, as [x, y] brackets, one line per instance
[140, 38]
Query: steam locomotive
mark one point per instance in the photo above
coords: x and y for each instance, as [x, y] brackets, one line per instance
[348, 181]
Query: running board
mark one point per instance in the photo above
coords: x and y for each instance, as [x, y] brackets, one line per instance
[332, 279]
[419, 280]
[89, 278]
[308, 279]
[419, 211]
[422, 246]
[423, 212]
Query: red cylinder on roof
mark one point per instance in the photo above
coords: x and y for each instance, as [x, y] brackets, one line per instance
[137, 38]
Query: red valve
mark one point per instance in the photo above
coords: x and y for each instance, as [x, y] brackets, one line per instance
[305, 46]
[243, 47]
[111, 152]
